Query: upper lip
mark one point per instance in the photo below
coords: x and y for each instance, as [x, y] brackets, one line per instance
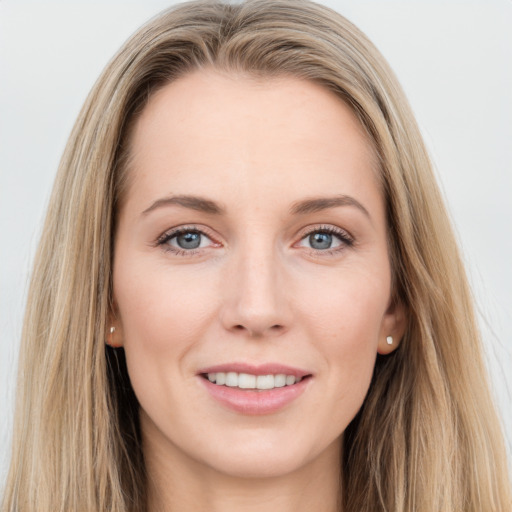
[259, 369]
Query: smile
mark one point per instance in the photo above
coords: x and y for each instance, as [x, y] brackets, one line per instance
[255, 390]
[249, 381]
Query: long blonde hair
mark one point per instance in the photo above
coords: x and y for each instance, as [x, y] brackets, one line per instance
[427, 437]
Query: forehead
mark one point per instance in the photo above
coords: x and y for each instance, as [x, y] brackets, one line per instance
[209, 130]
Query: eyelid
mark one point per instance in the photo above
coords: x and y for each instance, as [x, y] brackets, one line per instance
[326, 228]
[346, 238]
[169, 234]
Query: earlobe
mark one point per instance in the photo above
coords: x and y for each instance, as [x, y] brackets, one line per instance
[392, 329]
[114, 334]
[113, 338]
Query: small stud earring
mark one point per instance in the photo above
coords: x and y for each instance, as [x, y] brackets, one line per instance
[109, 337]
[389, 340]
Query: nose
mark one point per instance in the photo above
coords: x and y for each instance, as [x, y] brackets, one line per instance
[256, 298]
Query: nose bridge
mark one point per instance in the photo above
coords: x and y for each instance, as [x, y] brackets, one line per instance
[256, 300]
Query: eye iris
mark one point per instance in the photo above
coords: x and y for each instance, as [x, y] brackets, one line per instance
[189, 240]
[320, 240]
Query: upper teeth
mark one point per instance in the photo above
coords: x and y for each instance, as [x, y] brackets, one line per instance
[248, 381]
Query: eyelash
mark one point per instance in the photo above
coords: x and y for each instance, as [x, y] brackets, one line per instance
[163, 240]
[346, 239]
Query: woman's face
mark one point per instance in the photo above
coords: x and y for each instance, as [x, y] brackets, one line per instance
[251, 248]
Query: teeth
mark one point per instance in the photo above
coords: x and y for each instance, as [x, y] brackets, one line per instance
[290, 379]
[265, 382]
[232, 379]
[280, 380]
[248, 381]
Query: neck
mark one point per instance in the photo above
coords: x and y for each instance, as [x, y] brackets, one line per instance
[178, 483]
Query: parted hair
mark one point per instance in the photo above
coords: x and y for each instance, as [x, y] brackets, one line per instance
[427, 437]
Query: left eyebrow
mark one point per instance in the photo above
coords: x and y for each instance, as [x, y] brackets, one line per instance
[318, 204]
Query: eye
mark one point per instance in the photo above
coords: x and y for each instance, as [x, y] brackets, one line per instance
[188, 240]
[185, 240]
[321, 241]
[326, 238]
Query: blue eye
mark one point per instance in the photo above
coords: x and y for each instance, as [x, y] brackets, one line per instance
[320, 241]
[326, 238]
[185, 240]
[188, 240]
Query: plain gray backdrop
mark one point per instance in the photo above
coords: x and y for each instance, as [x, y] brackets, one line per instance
[453, 58]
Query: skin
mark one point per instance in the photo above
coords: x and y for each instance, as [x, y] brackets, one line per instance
[255, 291]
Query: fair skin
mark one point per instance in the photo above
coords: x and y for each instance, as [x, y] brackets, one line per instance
[285, 264]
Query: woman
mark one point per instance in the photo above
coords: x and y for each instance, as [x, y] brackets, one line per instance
[241, 295]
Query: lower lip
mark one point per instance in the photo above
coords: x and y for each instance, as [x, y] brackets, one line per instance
[252, 402]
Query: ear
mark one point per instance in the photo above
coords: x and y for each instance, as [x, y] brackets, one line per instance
[392, 328]
[114, 334]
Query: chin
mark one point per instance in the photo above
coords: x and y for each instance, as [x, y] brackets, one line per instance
[260, 467]
[270, 456]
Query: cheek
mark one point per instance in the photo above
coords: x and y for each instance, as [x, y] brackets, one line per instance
[162, 315]
[157, 305]
[346, 323]
[347, 309]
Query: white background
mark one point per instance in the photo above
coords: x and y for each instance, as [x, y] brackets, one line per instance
[454, 59]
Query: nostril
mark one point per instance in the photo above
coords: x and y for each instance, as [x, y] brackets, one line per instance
[258, 332]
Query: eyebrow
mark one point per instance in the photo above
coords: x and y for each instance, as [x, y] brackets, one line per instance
[199, 204]
[323, 203]
[303, 207]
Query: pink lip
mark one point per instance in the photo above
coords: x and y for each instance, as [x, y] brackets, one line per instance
[253, 402]
[261, 369]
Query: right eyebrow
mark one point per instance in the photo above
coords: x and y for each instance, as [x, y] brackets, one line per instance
[192, 202]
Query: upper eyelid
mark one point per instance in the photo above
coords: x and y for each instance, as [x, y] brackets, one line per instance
[170, 233]
[163, 241]
[324, 227]
[204, 230]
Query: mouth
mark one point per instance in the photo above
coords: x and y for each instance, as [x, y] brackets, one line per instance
[248, 381]
[255, 390]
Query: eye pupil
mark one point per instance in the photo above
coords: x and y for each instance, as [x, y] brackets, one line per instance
[189, 240]
[320, 240]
